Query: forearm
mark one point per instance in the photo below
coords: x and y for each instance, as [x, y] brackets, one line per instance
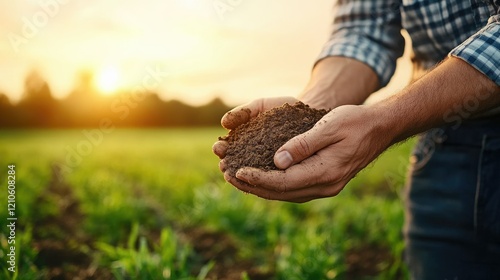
[337, 81]
[454, 86]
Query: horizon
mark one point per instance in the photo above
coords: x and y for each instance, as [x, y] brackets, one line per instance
[209, 48]
[236, 50]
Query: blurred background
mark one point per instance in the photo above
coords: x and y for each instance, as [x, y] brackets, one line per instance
[67, 54]
[108, 110]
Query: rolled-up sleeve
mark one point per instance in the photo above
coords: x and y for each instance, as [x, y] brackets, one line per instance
[482, 50]
[368, 31]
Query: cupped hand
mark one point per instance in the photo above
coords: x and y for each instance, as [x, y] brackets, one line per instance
[321, 161]
[243, 114]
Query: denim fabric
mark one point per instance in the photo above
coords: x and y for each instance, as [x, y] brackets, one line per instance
[452, 228]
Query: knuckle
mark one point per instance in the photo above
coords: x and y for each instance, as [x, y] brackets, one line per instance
[310, 175]
[302, 146]
[260, 104]
[255, 107]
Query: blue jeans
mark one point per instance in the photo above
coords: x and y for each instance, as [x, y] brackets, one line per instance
[452, 228]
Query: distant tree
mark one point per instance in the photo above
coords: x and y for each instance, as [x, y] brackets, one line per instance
[36, 88]
[4, 101]
[211, 113]
[7, 112]
[83, 106]
[37, 106]
[84, 87]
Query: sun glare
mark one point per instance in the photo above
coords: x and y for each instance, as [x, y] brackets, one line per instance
[107, 80]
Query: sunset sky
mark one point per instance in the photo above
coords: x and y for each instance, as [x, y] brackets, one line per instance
[236, 49]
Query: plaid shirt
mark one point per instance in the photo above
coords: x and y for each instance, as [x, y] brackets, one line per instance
[369, 31]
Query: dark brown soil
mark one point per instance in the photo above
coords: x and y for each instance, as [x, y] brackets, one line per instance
[367, 260]
[254, 143]
[65, 251]
[224, 250]
[59, 237]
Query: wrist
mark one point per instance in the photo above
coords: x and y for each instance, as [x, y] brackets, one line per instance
[319, 97]
[385, 123]
[337, 81]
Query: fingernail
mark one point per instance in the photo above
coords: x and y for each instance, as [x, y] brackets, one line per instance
[283, 159]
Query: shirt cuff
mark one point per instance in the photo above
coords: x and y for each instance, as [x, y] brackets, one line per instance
[364, 50]
[482, 50]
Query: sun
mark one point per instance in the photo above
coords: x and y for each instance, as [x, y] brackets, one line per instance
[108, 80]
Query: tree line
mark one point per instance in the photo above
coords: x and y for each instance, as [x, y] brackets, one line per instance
[84, 107]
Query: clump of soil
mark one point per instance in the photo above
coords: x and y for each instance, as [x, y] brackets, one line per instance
[254, 143]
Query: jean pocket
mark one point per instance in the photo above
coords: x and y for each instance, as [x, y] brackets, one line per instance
[425, 148]
[487, 203]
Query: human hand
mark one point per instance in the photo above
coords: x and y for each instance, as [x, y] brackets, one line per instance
[320, 162]
[243, 114]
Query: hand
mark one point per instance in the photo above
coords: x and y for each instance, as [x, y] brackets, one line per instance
[320, 162]
[239, 116]
[243, 114]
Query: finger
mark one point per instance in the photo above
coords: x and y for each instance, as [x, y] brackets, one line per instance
[314, 191]
[247, 188]
[241, 185]
[222, 166]
[220, 148]
[304, 145]
[299, 176]
[236, 117]
[297, 196]
[244, 113]
[262, 193]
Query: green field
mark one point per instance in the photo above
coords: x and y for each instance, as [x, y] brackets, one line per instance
[152, 204]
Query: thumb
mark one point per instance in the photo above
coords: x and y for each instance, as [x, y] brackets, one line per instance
[301, 147]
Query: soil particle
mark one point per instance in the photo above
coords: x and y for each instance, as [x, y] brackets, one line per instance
[255, 142]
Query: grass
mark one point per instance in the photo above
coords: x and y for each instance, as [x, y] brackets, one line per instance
[126, 206]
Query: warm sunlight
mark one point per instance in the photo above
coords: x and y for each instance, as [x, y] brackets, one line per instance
[208, 47]
[107, 80]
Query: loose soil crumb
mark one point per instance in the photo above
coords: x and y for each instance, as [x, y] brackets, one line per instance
[254, 143]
